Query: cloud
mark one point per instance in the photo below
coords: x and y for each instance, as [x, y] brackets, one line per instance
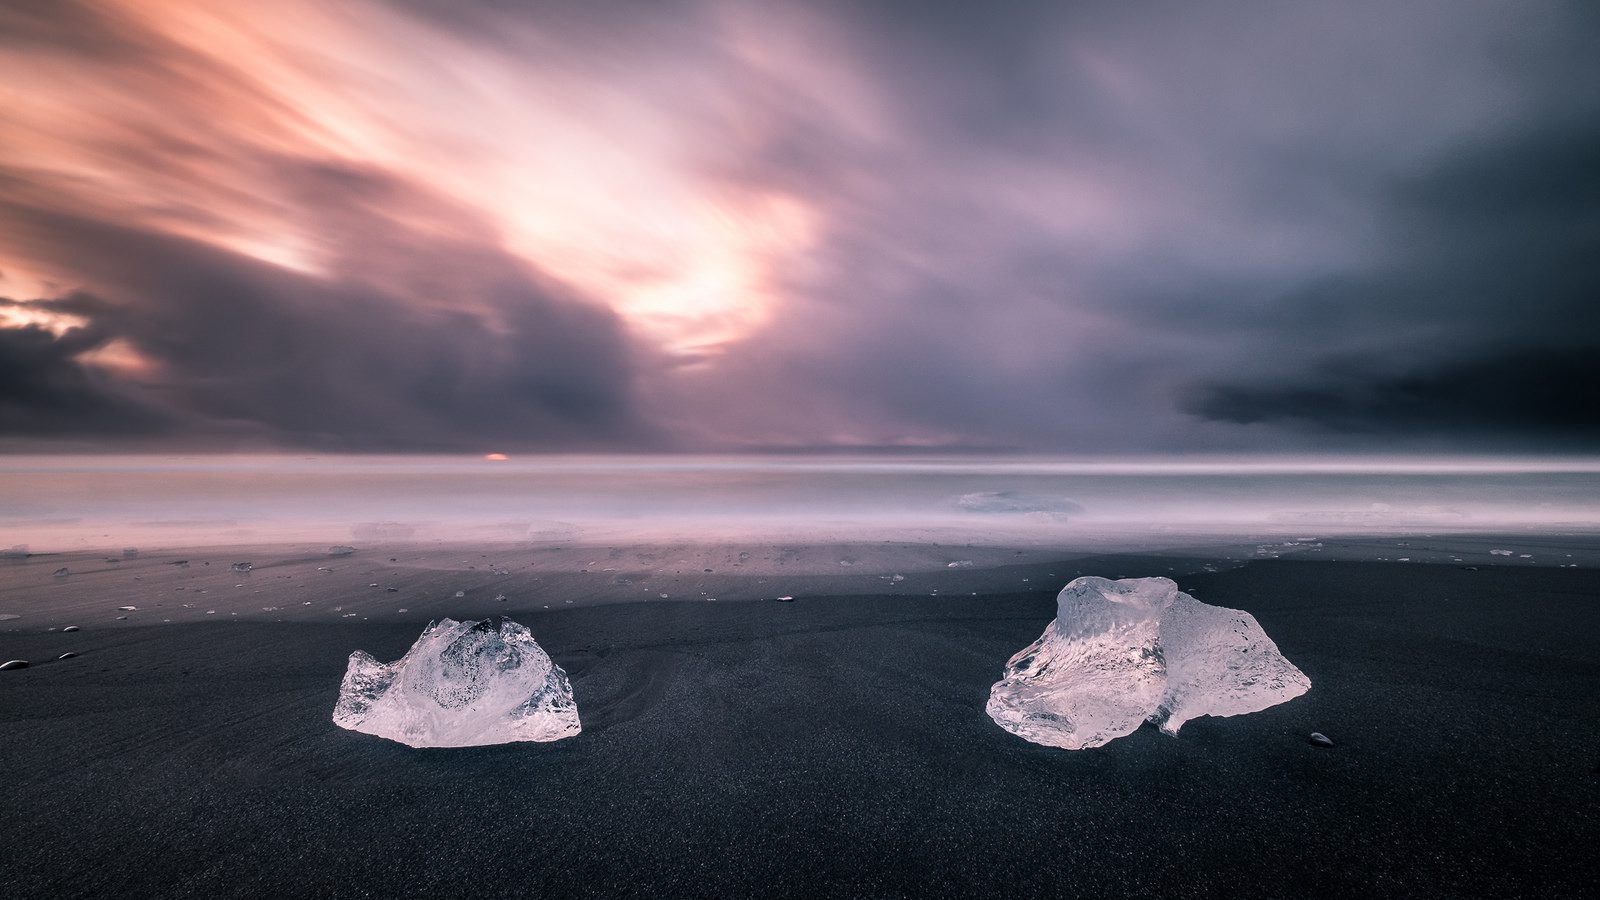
[1479, 324]
[46, 387]
[406, 341]
[425, 225]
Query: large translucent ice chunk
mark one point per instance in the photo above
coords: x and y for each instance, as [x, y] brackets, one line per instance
[1120, 653]
[462, 684]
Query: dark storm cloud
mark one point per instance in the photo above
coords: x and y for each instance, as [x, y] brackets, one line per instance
[47, 388]
[1492, 291]
[413, 342]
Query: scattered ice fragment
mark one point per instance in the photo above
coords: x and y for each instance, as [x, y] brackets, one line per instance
[898, 578]
[67, 655]
[1319, 739]
[500, 598]
[461, 593]
[1500, 552]
[462, 684]
[785, 599]
[13, 664]
[242, 567]
[959, 564]
[128, 608]
[1124, 652]
[341, 550]
[70, 628]
[6, 617]
[61, 572]
[1525, 556]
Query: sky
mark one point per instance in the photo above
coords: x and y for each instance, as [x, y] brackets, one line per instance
[485, 225]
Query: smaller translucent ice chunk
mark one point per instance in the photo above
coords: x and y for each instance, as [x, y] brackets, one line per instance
[1120, 653]
[462, 684]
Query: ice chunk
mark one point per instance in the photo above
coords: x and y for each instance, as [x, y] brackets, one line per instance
[1124, 652]
[1017, 502]
[462, 684]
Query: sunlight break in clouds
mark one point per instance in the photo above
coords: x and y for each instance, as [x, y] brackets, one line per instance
[609, 190]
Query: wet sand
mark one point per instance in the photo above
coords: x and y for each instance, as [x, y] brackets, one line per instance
[834, 743]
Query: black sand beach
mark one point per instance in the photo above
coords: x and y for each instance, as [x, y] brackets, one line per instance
[832, 744]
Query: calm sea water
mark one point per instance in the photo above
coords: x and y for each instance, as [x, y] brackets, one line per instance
[111, 501]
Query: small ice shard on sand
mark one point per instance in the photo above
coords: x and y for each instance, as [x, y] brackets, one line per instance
[13, 664]
[242, 567]
[1499, 552]
[1121, 653]
[341, 550]
[70, 628]
[1319, 739]
[68, 655]
[62, 572]
[959, 564]
[462, 684]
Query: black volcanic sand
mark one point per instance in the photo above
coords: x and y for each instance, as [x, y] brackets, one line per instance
[830, 744]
